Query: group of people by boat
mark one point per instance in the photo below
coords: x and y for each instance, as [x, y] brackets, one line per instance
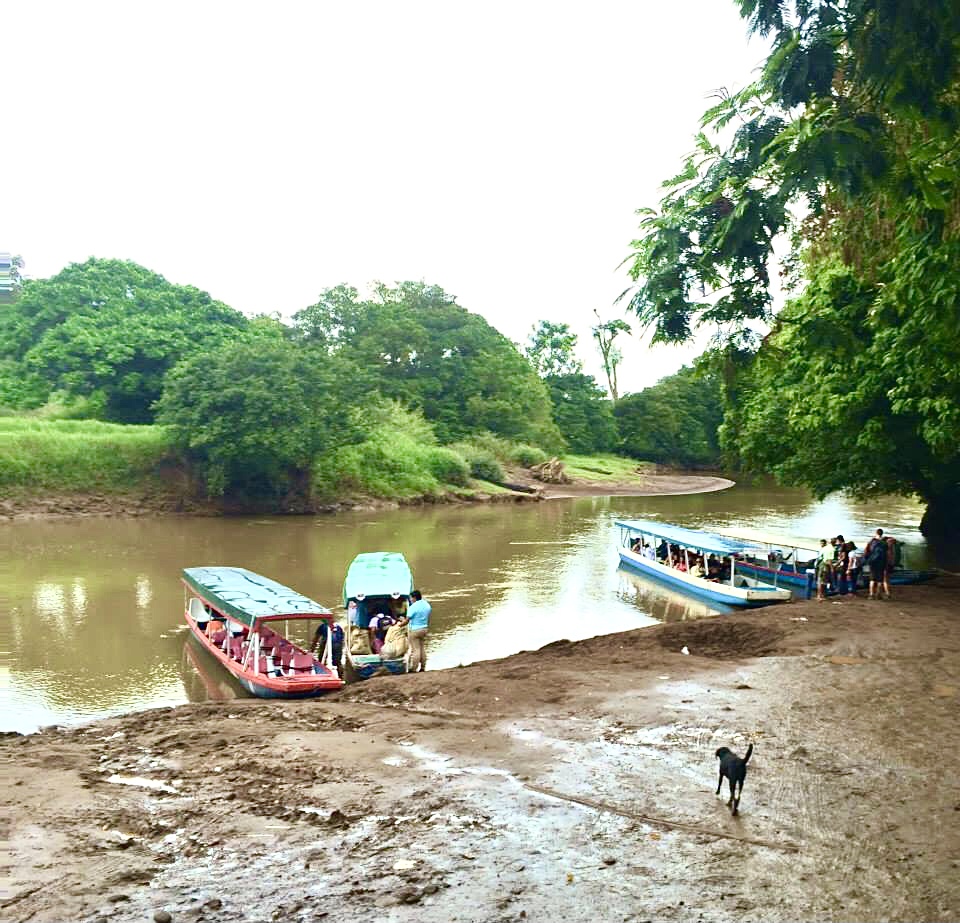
[393, 628]
[841, 566]
[235, 613]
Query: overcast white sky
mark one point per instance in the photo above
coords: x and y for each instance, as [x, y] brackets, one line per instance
[264, 152]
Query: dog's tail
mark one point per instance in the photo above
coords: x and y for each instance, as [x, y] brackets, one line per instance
[746, 759]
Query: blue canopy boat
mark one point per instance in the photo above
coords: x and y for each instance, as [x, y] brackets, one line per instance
[378, 582]
[655, 547]
[231, 611]
[786, 561]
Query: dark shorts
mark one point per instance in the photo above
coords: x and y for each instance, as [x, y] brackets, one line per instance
[877, 571]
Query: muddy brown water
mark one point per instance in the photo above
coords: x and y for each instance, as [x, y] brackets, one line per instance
[93, 607]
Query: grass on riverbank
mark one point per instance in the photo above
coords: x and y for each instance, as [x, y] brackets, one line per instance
[78, 455]
[601, 468]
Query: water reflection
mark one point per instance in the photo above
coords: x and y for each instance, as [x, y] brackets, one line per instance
[662, 602]
[92, 609]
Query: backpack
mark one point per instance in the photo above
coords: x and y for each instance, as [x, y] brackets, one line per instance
[877, 553]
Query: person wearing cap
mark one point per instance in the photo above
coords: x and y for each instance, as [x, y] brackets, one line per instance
[419, 615]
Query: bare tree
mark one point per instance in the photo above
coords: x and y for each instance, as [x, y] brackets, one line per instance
[605, 333]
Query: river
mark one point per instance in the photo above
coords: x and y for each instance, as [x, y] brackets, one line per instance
[92, 608]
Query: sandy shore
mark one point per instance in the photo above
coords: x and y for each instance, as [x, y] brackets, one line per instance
[572, 783]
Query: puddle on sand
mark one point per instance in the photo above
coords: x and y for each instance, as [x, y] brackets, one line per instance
[140, 782]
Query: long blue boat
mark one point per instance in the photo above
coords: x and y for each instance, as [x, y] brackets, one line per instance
[786, 562]
[655, 547]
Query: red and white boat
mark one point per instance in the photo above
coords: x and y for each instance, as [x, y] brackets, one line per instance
[234, 614]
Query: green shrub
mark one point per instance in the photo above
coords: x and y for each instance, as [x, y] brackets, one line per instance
[447, 466]
[398, 459]
[528, 455]
[483, 463]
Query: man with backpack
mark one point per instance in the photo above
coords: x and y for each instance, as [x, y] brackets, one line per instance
[875, 558]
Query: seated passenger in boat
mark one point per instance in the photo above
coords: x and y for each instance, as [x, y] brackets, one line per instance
[379, 623]
[681, 564]
[396, 640]
[649, 553]
[696, 568]
[662, 552]
[714, 569]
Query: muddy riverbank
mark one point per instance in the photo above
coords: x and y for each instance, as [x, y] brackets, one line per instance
[548, 785]
[72, 505]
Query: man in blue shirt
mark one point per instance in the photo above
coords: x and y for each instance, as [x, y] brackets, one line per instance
[419, 615]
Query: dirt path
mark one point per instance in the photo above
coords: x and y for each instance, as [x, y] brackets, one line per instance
[530, 788]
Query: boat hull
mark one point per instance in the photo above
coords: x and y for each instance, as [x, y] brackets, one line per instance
[903, 577]
[266, 687]
[746, 597]
[366, 666]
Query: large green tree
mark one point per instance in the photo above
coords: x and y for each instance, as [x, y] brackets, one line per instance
[415, 344]
[848, 144]
[675, 421]
[580, 406]
[252, 416]
[111, 329]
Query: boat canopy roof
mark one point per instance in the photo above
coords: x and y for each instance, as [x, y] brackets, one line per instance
[378, 573]
[691, 538]
[248, 597]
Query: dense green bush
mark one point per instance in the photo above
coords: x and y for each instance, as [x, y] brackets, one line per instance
[397, 458]
[448, 466]
[483, 462]
[528, 455]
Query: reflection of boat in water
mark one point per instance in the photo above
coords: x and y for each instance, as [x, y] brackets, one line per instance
[378, 584]
[231, 611]
[199, 681]
[660, 601]
[650, 547]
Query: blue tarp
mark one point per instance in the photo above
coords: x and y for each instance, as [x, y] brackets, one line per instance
[245, 596]
[691, 538]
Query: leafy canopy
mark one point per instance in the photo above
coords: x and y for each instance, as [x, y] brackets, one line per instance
[847, 84]
[848, 142]
[111, 329]
[415, 344]
[252, 416]
[675, 421]
[550, 349]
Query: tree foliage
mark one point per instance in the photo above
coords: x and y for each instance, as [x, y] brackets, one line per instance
[550, 349]
[415, 344]
[675, 421]
[848, 142]
[252, 416]
[112, 329]
[583, 412]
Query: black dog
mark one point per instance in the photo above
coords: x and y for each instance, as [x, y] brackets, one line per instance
[735, 769]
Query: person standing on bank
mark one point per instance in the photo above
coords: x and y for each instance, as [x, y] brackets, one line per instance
[419, 615]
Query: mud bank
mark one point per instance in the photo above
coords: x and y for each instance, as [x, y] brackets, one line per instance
[572, 783]
[76, 506]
